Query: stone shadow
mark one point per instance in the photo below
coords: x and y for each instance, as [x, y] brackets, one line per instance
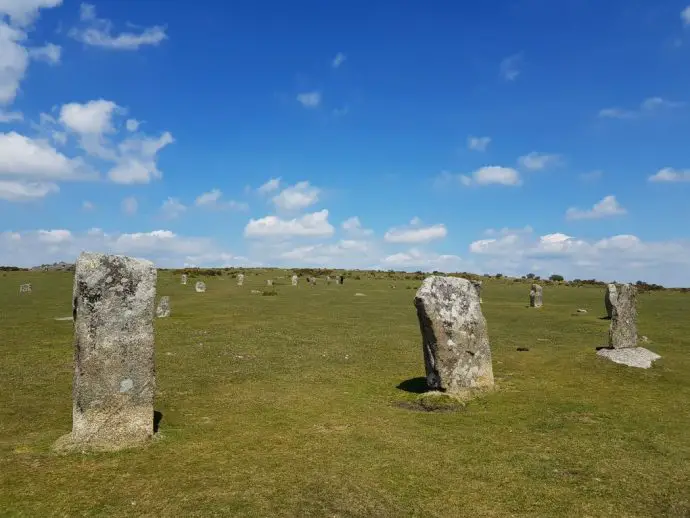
[414, 385]
[157, 418]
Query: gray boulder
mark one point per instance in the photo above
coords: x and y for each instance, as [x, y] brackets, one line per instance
[200, 287]
[240, 279]
[183, 279]
[295, 280]
[163, 309]
[114, 375]
[457, 355]
[623, 326]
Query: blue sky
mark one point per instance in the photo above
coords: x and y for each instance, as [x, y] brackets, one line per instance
[489, 137]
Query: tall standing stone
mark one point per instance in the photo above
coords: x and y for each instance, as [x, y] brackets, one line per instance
[240, 279]
[183, 279]
[610, 298]
[295, 280]
[535, 296]
[328, 279]
[200, 287]
[623, 326]
[114, 375]
[457, 355]
[163, 308]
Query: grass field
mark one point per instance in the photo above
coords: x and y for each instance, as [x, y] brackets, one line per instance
[290, 405]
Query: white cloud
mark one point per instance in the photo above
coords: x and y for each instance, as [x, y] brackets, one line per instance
[297, 197]
[24, 12]
[6, 117]
[54, 236]
[425, 261]
[130, 206]
[647, 107]
[309, 99]
[510, 67]
[132, 125]
[172, 208]
[605, 208]
[353, 227]
[23, 157]
[14, 60]
[685, 16]
[414, 233]
[328, 254]
[535, 161]
[478, 143]
[18, 191]
[492, 175]
[271, 185]
[338, 60]
[309, 225]
[88, 206]
[137, 160]
[668, 174]
[93, 117]
[212, 200]
[49, 53]
[98, 32]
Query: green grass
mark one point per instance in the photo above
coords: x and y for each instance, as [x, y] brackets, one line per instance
[288, 406]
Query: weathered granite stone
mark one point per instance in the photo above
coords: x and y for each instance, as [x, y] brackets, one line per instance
[295, 280]
[535, 296]
[609, 298]
[328, 279]
[240, 279]
[114, 374]
[623, 326]
[200, 287]
[25, 288]
[478, 286]
[457, 355]
[163, 309]
[630, 356]
[183, 279]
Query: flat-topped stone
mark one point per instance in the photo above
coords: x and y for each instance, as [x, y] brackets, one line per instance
[630, 356]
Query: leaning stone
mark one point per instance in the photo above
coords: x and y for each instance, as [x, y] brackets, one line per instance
[457, 355]
[240, 279]
[295, 280]
[200, 287]
[163, 309]
[623, 326]
[114, 374]
[631, 356]
[535, 296]
[183, 279]
[610, 298]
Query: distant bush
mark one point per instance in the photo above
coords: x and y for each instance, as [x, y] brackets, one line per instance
[643, 286]
[269, 293]
[499, 275]
[529, 276]
[556, 277]
[12, 269]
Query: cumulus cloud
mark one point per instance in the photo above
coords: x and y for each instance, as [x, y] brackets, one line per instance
[535, 161]
[415, 233]
[137, 159]
[129, 206]
[270, 186]
[212, 200]
[172, 208]
[353, 227]
[478, 143]
[132, 125]
[18, 191]
[607, 207]
[98, 32]
[23, 12]
[649, 106]
[510, 67]
[309, 225]
[670, 175]
[93, 117]
[338, 60]
[297, 197]
[49, 53]
[7, 116]
[309, 99]
[422, 260]
[492, 175]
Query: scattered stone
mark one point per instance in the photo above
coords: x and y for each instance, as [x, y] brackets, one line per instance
[582, 310]
[523, 349]
[610, 297]
[269, 282]
[25, 288]
[183, 279]
[328, 279]
[64, 319]
[391, 286]
[623, 326]
[295, 280]
[630, 356]
[457, 354]
[240, 279]
[163, 309]
[312, 281]
[200, 287]
[256, 292]
[478, 286]
[535, 296]
[644, 339]
[114, 376]
[360, 295]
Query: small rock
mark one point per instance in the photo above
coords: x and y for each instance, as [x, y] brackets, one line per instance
[523, 349]
[255, 292]
[630, 356]
[360, 295]
[582, 310]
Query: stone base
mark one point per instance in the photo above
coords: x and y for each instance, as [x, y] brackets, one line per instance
[630, 356]
[68, 444]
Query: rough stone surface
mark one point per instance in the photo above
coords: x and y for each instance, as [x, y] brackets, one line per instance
[455, 340]
[623, 326]
[535, 296]
[200, 287]
[240, 279]
[610, 297]
[478, 286]
[114, 375]
[631, 356]
[183, 279]
[25, 288]
[295, 280]
[163, 309]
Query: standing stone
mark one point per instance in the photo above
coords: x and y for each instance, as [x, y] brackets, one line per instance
[240, 279]
[535, 296]
[25, 288]
[269, 282]
[478, 286]
[295, 280]
[183, 279]
[163, 309]
[610, 298]
[114, 374]
[328, 279]
[623, 326]
[457, 355]
[200, 287]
